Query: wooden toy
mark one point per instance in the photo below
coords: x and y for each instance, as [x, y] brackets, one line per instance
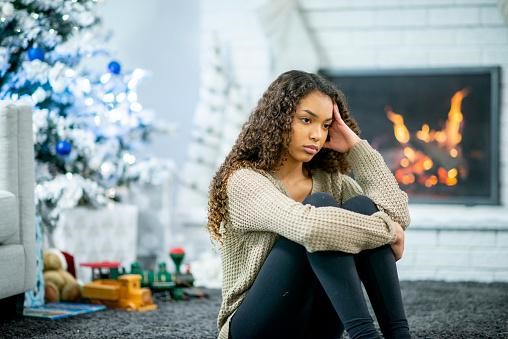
[125, 292]
[107, 275]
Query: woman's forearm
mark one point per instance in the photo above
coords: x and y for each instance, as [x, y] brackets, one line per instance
[378, 182]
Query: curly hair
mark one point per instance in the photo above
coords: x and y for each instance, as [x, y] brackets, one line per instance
[263, 139]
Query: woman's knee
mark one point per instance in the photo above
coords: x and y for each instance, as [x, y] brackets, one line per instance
[289, 249]
[379, 254]
[360, 204]
[321, 199]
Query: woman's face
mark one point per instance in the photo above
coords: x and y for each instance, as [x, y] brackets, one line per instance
[309, 129]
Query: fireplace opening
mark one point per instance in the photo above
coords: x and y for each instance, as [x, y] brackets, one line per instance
[437, 129]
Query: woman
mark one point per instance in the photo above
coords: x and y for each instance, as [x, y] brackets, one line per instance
[298, 235]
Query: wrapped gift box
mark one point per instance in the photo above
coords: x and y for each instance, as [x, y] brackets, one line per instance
[108, 233]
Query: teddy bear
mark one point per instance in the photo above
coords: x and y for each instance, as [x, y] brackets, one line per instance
[59, 284]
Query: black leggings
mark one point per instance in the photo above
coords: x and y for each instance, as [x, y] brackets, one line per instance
[298, 294]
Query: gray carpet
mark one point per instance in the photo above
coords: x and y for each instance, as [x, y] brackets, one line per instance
[434, 310]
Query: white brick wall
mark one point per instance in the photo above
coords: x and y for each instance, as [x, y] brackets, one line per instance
[466, 239]
[453, 16]
[449, 243]
[236, 23]
[455, 255]
[442, 243]
[502, 239]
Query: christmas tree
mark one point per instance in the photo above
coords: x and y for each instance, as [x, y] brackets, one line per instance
[220, 113]
[88, 123]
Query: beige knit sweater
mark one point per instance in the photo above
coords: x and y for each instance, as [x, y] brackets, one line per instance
[259, 208]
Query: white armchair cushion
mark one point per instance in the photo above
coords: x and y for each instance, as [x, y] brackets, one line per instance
[9, 215]
[17, 176]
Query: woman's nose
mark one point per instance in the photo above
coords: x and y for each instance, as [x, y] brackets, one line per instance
[316, 134]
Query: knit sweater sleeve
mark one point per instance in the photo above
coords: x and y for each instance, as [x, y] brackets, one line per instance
[255, 204]
[375, 180]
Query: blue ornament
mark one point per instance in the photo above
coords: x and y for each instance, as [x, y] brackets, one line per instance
[114, 67]
[35, 53]
[63, 147]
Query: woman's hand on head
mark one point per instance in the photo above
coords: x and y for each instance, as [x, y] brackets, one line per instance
[341, 137]
[398, 244]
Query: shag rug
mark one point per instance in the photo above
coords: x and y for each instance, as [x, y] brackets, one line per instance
[434, 310]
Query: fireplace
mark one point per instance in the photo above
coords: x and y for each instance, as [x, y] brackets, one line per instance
[438, 129]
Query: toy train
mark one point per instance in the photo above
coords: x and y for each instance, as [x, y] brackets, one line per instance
[113, 286]
[125, 292]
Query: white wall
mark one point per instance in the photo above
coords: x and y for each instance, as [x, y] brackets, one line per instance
[162, 37]
[237, 24]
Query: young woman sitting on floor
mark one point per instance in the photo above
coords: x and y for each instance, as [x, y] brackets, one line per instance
[298, 235]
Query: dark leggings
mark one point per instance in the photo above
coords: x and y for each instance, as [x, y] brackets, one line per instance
[298, 294]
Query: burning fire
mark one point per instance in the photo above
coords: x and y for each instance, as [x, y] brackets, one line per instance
[438, 157]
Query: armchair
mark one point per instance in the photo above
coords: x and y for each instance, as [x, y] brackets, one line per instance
[17, 209]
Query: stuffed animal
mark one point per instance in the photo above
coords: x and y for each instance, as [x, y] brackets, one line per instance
[59, 284]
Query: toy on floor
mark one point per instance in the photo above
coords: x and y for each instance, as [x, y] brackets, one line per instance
[163, 279]
[179, 285]
[125, 292]
[113, 269]
[177, 254]
[186, 279]
[159, 280]
[59, 285]
[105, 269]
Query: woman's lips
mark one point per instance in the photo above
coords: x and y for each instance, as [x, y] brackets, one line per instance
[310, 150]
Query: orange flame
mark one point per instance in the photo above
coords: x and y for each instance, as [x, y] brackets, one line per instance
[400, 130]
[415, 164]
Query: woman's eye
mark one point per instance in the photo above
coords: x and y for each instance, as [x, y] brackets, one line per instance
[327, 126]
[305, 120]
